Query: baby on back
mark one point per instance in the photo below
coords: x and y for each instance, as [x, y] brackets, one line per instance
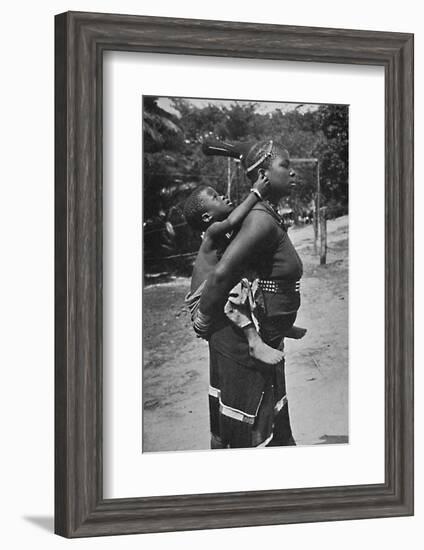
[215, 216]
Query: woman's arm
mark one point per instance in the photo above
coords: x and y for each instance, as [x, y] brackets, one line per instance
[256, 232]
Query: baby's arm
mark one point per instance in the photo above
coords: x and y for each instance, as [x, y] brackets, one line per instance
[258, 191]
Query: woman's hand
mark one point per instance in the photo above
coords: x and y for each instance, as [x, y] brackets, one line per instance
[202, 324]
[262, 184]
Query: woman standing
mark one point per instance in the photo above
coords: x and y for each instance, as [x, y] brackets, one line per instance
[247, 399]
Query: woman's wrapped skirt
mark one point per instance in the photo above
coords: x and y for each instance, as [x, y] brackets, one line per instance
[247, 400]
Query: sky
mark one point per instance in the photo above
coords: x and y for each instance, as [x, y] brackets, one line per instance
[262, 106]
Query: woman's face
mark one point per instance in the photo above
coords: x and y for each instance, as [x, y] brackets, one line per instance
[280, 175]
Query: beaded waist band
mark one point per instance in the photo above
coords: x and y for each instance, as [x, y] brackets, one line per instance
[278, 287]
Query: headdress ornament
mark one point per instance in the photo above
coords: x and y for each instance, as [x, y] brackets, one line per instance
[250, 154]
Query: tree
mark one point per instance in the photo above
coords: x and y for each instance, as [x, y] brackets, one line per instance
[160, 128]
[174, 163]
[333, 152]
[162, 138]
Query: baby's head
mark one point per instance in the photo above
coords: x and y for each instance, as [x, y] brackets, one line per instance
[205, 206]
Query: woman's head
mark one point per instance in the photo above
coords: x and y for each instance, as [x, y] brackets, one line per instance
[274, 160]
[266, 155]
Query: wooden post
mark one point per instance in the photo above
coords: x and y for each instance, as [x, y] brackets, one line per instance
[316, 228]
[229, 178]
[323, 234]
[317, 196]
[317, 224]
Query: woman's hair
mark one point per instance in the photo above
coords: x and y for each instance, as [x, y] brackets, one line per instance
[194, 208]
[252, 155]
[260, 157]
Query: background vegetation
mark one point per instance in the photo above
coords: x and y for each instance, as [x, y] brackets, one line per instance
[174, 164]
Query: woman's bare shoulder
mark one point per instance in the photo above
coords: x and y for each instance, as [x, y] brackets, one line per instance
[258, 222]
[260, 206]
[261, 214]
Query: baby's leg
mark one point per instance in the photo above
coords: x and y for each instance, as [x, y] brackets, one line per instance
[237, 309]
[259, 350]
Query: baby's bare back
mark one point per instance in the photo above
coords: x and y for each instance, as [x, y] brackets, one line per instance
[206, 260]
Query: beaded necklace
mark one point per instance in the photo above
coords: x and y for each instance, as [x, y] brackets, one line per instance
[274, 210]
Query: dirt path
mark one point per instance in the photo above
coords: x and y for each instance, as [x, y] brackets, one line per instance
[175, 366]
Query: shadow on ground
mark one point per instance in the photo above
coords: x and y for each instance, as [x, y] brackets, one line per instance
[43, 522]
[333, 439]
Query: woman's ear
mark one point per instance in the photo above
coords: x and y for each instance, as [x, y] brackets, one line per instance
[206, 217]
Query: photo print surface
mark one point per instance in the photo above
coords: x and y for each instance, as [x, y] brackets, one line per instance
[245, 267]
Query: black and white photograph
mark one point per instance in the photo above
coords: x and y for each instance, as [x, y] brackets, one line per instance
[245, 267]
[209, 257]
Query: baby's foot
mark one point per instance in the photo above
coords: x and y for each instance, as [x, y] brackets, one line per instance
[264, 353]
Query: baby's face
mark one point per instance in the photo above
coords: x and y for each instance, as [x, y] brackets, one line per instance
[218, 206]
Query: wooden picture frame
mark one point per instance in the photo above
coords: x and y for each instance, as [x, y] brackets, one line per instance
[80, 40]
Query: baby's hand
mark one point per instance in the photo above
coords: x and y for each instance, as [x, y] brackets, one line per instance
[262, 184]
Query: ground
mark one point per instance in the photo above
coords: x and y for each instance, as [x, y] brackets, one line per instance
[175, 362]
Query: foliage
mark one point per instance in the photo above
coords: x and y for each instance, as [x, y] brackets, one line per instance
[174, 164]
[333, 152]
